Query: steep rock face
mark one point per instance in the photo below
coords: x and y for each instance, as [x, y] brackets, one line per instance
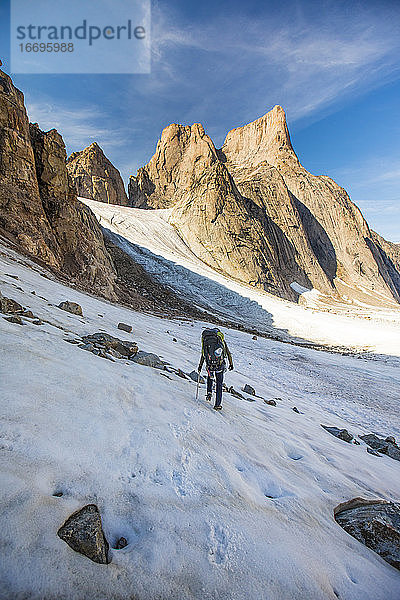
[39, 210]
[95, 177]
[252, 211]
[338, 233]
[232, 231]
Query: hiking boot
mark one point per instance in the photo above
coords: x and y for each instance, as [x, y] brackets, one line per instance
[218, 407]
[208, 397]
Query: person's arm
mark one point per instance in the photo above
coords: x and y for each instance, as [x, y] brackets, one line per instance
[229, 355]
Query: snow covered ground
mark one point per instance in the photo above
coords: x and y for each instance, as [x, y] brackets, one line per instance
[214, 506]
[154, 243]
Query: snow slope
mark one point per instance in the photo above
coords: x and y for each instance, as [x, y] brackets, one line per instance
[154, 243]
[214, 506]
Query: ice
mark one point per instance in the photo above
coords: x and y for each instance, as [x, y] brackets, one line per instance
[152, 241]
[213, 506]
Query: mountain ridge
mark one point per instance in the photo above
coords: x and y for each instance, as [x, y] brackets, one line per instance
[239, 207]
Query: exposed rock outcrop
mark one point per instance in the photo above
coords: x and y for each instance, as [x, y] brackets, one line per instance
[375, 524]
[252, 211]
[95, 177]
[83, 532]
[39, 211]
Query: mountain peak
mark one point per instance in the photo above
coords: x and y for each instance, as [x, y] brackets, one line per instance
[265, 139]
[96, 177]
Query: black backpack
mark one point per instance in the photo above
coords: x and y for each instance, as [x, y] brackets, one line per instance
[213, 349]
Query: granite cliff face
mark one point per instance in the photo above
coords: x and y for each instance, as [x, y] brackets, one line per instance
[95, 177]
[41, 217]
[39, 211]
[251, 210]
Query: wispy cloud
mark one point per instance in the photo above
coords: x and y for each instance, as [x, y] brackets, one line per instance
[304, 61]
[78, 126]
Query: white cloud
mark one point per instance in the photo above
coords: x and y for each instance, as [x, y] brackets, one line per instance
[304, 62]
[78, 126]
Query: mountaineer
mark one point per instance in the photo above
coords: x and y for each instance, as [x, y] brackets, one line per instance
[214, 351]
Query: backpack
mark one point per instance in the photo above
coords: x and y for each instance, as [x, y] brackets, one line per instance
[213, 349]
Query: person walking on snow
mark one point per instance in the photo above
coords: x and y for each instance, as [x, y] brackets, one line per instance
[214, 351]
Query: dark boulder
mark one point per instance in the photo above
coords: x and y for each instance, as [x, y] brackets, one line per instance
[375, 524]
[385, 446]
[83, 532]
[14, 319]
[7, 305]
[270, 402]
[342, 434]
[249, 390]
[125, 327]
[148, 359]
[71, 307]
[106, 341]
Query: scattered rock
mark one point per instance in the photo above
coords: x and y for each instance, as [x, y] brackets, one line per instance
[249, 390]
[342, 434]
[14, 319]
[114, 353]
[375, 524]
[37, 322]
[180, 373]
[255, 337]
[390, 439]
[71, 307]
[106, 341]
[83, 532]
[148, 359]
[13, 276]
[356, 442]
[7, 305]
[28, 314]
[122, 543]
[196, 377]
[270, 402]
[125, 327]
[33, 292]
[58, 494]
[174, 340]
[296, 410]
[382, 445]
[235, 393]
[88, 347]
[373, 452]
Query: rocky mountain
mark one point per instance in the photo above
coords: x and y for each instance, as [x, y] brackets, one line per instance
[252, 211]
[95, 177]
[41, 217]
[39, 211]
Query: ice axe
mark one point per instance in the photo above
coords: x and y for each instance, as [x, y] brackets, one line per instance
[197, 387]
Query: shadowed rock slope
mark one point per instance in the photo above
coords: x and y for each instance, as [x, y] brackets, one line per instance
[41, 217]
[39, 210]
[253, 212]
[95, 177]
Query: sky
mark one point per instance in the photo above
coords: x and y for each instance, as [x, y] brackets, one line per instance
[333, 66]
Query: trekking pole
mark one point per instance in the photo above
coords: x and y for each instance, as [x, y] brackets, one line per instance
[197, 388]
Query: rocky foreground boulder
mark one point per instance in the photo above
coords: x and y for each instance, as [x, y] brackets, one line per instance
[83, 532]
[375, 524]
[251, 210]
[95, 177]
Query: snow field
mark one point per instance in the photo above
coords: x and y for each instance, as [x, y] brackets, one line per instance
[229, 506]
[153, 242]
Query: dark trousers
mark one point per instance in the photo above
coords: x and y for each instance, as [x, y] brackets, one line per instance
[219, 377]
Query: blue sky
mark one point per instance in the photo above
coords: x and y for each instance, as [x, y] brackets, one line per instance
[334, 67]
